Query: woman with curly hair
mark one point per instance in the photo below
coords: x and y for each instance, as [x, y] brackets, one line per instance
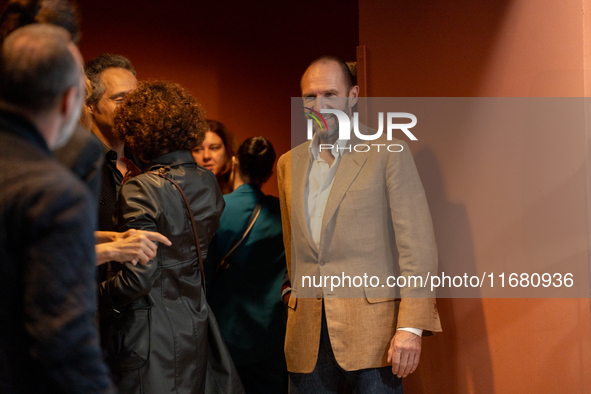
[155, 320]
[215, 153]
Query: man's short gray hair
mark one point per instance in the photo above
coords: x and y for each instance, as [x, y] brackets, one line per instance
[36, 67]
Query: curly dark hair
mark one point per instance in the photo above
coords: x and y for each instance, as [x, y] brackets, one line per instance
[94, 67]
[19, 13]
[256, 157]
[159, 117]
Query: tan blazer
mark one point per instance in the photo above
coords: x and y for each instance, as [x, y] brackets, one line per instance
[376, 211]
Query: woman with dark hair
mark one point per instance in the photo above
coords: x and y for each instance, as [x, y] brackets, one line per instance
[215, 153]
[155, 318]
[245, 274]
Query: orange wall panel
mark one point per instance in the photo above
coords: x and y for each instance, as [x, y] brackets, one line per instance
[496, 198]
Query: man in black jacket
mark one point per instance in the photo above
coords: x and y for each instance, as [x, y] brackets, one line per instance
[82, 153]
[111, 77]
[48, 335]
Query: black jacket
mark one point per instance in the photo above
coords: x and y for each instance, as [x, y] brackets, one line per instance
[110, 185]
[48, 335]
[84, 156]
[155, 315]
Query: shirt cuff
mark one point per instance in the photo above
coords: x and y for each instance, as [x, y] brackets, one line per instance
[285, 290]
[416, 331]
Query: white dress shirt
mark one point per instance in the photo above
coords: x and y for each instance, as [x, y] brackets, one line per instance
[319, 184]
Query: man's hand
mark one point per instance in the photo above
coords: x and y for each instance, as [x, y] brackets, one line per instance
[404, 353]
[136, 246]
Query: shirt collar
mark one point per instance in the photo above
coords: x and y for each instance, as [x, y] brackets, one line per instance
[111, 156]
[109, 153]
[337, 149]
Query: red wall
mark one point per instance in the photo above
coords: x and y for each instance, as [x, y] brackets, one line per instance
[496, 199]
[241, 60]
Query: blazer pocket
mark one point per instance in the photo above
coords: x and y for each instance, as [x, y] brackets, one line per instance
[127, 339]
[380, 293]
[293, 300]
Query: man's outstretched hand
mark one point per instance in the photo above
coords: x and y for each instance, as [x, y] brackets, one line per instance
[136, 246]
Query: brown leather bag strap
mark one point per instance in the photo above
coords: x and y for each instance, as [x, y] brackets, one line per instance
[225, 263]
[163, 173]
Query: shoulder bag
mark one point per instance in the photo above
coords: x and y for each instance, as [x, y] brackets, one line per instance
[221, 376]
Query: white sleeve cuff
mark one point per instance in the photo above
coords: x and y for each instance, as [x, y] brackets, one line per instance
[416, 331]
[285, 291]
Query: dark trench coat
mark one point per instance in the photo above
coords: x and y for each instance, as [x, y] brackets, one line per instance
[154, 317]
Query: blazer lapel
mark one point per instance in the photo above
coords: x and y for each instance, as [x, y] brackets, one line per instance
[299, 173]
[349, 167]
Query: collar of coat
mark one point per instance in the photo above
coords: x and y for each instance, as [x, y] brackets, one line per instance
[22, 128]
[171, 159]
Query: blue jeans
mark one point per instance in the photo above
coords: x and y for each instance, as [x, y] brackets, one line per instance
[329, 378]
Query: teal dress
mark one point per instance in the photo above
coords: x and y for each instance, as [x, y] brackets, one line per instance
[246, 297]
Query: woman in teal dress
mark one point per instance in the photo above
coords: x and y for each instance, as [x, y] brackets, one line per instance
[246, 296]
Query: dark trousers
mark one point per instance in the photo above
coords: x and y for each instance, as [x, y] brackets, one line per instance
[264, 378]
[328, 377]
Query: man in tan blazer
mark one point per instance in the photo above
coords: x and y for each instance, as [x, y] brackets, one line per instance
[346, 214]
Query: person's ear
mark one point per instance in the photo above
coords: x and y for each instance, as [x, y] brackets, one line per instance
[353, 96]
[68, 102]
